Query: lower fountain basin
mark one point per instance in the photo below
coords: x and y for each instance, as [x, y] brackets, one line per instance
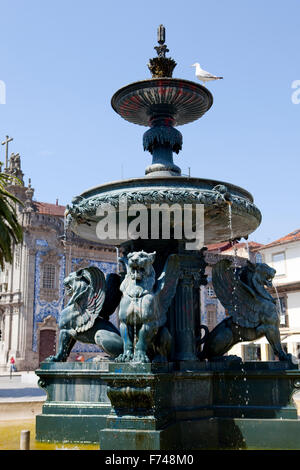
[229, 405]
[222, 203]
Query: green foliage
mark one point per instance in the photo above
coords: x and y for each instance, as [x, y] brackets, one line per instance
[10, 229]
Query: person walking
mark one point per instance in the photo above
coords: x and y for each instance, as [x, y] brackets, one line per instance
[12, 365]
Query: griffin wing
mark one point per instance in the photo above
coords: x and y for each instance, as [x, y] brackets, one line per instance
[237, 297]
[166, 284]
[95, 277]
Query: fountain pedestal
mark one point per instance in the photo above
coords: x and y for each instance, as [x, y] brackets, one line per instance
[201, 406]
[183, 405]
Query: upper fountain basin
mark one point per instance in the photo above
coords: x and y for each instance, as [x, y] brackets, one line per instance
[182, 100]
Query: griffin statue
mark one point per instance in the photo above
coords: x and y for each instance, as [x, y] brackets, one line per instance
[252, 311]
[144, 306]
[85, 318]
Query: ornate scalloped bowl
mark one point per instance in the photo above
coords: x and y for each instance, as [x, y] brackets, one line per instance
[82, 215]
[185, 101]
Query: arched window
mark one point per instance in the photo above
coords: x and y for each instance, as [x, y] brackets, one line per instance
[48, 281]
[210, 291]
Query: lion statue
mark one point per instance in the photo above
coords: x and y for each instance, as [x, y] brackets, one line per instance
[144, 306]
[252, 311]
[85, 318]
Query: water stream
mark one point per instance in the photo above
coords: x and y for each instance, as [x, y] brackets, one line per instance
[279, 309]
[244, 399]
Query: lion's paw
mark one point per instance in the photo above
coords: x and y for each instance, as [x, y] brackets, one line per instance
[51, 359]
[125, 357]
[140, 356]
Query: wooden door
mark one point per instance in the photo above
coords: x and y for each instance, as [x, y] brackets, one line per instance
[47, 344]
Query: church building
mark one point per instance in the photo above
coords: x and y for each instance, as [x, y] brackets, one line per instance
[31, 288]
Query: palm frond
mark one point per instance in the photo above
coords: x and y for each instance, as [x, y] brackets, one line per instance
[10, 229]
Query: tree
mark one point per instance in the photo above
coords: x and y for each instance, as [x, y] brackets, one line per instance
[10, 229]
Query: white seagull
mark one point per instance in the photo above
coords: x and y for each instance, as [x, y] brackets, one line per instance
[203, 75]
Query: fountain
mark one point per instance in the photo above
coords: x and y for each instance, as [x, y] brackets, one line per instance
[161, 389]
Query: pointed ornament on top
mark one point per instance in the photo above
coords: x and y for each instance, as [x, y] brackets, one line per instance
[161, 66]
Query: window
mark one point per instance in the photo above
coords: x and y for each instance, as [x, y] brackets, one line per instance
[278, 260]
[252, 352]
[210, 291]
[48, 276]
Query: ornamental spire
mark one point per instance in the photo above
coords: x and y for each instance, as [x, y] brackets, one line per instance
[161, 66]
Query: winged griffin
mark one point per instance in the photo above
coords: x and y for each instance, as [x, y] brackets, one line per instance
[252, 310]
[144, 306]
[85, 318]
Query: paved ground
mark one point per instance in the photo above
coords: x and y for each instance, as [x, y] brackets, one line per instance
[20, 386]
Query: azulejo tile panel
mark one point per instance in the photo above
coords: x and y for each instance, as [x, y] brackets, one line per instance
[42, 308]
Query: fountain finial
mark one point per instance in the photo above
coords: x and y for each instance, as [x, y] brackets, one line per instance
[161, 66]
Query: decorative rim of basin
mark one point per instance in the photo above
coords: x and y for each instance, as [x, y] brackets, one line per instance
[214, 195]
[184, 100]
[173, 181]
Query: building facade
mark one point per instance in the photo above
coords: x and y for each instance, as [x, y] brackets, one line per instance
[31, 288]
[284, 256]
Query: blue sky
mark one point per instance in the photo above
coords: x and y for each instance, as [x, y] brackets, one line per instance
[63, 60]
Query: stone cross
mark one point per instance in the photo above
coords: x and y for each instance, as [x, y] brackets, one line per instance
[5, 142]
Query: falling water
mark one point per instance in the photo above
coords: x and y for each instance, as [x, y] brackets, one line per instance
[66, 260]
[235, 264]
[230, 226]
[135, 324]
[234, 250]
[65, 235]
[230, 220]
[117, 254]
[248, 249]
[279, 309]
[67, 248]
[134, 331]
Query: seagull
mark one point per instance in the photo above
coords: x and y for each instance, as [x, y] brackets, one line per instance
[203, 75]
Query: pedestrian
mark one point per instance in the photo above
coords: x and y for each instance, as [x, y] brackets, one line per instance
[79, 358]
[12, 365]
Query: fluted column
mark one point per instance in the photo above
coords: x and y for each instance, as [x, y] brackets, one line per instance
[184, 316]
